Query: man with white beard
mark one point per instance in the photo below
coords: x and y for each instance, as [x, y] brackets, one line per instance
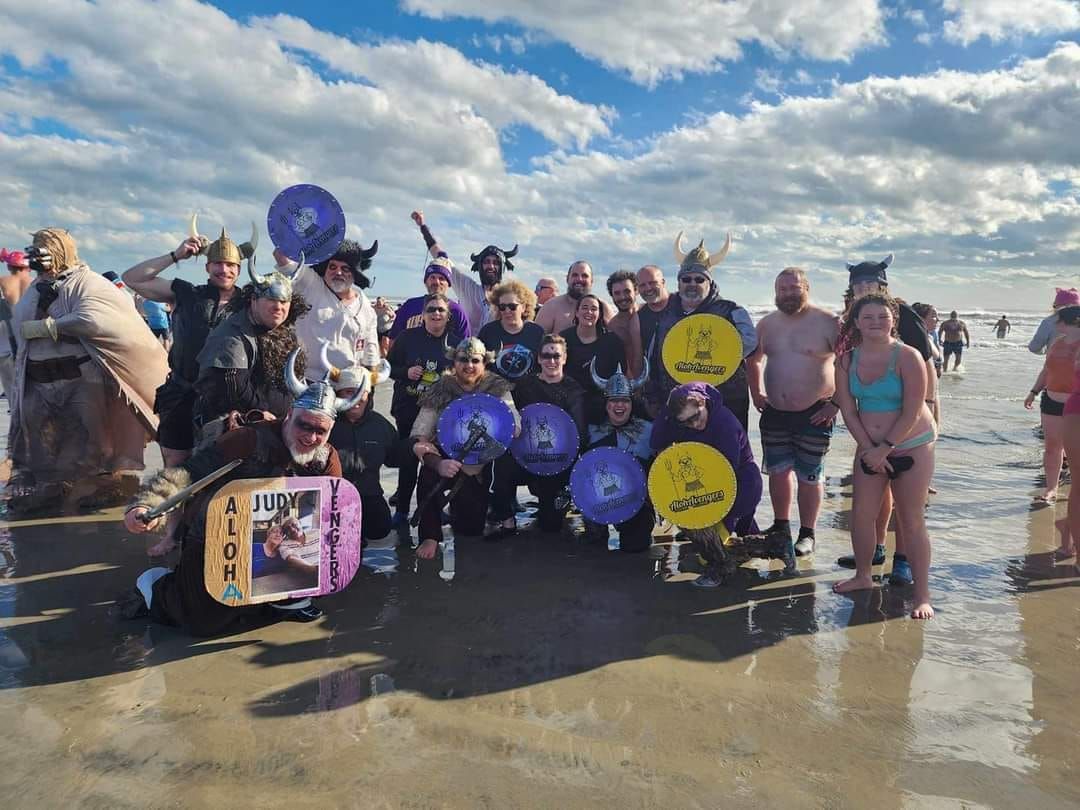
[341, 314]
[796, 349]
[295, 446]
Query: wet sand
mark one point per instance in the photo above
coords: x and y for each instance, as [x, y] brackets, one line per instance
[550, 675]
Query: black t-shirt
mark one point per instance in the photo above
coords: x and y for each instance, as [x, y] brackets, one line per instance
[648, 321]
[912, 332]
[196, 312]
[515, 355]
[607, 349]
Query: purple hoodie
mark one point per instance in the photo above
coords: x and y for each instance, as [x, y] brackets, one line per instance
[723, 432]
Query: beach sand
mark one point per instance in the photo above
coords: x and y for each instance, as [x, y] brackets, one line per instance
[550, 675]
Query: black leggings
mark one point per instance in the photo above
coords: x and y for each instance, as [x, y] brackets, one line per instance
[509, 475]
[406, 477]
[468, 509]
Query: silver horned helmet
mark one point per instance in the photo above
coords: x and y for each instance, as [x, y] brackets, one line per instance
[320, 397]
[274, 285]
[618, 385]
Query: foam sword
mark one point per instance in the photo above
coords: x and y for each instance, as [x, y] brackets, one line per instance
[169, 504]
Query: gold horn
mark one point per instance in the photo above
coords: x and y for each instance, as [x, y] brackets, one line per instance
[716, 258]
[679, 255]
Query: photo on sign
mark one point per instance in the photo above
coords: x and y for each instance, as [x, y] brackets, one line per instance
[286, 534]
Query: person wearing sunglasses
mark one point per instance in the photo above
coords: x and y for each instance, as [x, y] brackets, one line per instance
[551, 386]
[514, 338]
[699, 294]
[696, 412]
[418, 357]
[437, 279]
[468, 508]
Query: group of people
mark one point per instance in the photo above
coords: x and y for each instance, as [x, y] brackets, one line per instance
[280, 372]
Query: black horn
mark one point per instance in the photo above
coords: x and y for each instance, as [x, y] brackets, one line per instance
[512, 252]
[371, 251]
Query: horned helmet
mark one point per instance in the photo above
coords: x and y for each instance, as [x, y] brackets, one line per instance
[618, 385]
[273, 285]
[223, 249]
[320, 396]
[503, 257]
[699, 258]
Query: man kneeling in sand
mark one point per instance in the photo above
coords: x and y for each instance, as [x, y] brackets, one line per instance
[796, 347]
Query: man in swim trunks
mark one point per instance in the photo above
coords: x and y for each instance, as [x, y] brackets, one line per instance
[1003, 326]
[796, 347]
[954, 337]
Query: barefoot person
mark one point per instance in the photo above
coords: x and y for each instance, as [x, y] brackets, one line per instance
[469, 375]
[1054, 383]
[881, 388]
[796, 346]
[1003, 327]
[954, 336]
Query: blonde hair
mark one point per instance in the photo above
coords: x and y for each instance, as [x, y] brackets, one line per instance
[513, 287]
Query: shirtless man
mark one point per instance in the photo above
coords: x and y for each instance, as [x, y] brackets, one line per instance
[546, 289]
[1003, 326]
[796, 346]
[558, 313]
[622, 287]
[953, 334]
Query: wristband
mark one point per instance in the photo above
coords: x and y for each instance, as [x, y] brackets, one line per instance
[1036, 393]
[172, 255]
[429, 240]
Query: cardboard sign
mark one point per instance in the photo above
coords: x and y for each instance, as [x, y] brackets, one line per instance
[702, 348]
[269, 539]
[692, 485]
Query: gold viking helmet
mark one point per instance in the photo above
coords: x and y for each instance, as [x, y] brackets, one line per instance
[699, 257]
[224, 249]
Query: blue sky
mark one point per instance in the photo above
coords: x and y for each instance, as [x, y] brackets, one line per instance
[816, 132]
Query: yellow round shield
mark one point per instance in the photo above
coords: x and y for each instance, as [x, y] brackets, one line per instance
[702, 348]
[692, 485]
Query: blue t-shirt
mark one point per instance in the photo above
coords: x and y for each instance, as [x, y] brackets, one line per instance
[157, 316]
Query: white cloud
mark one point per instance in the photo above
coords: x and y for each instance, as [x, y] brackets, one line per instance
[652, 40]
[998, 19]
[916, 17]
[949, 170]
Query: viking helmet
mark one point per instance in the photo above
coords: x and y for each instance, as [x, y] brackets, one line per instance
[699, 257]
[504, 257]
[273, 285]
[356, 256]
[223, 249]
[869, 271]
[472, 347]
[618, 385]
[320, 397]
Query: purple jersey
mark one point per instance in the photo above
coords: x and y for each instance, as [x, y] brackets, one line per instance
[411, 313]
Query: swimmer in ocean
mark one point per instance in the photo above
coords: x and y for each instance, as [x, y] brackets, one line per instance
[1003, 326]
[954, 336]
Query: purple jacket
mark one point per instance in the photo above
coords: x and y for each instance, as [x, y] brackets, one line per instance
[722, 431]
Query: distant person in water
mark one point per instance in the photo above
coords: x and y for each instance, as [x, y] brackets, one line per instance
[1003, 326]
[954, 336]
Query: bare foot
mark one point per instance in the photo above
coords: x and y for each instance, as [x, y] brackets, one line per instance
[161, 547]
[1050, 496]
[1067, 547]
[923, 610]
[854, 584]
[426, 550]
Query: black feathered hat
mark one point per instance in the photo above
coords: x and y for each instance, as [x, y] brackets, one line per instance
[356, 256]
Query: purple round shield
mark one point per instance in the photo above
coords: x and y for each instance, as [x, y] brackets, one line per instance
[608, 485]
[479, 426]
[548, 442]
[306, 219]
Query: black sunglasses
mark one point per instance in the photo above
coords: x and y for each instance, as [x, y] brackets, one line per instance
[469, 360]
[511, 307]
[431, 310]
[694, 279]
[551, 357]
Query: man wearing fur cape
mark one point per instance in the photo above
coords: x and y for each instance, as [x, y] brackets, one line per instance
[86, 371]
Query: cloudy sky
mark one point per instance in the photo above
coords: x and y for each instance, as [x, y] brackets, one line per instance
[816, 131]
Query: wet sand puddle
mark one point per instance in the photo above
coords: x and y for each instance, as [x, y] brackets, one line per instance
[548, 674]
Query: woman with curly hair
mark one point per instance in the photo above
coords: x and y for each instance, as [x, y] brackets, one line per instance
[514, 338]
[881, 388]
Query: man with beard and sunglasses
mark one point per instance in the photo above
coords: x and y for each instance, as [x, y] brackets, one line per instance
[490, 264]
[698, 294]
[557, 315]
[796, 351]
[298, 445]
